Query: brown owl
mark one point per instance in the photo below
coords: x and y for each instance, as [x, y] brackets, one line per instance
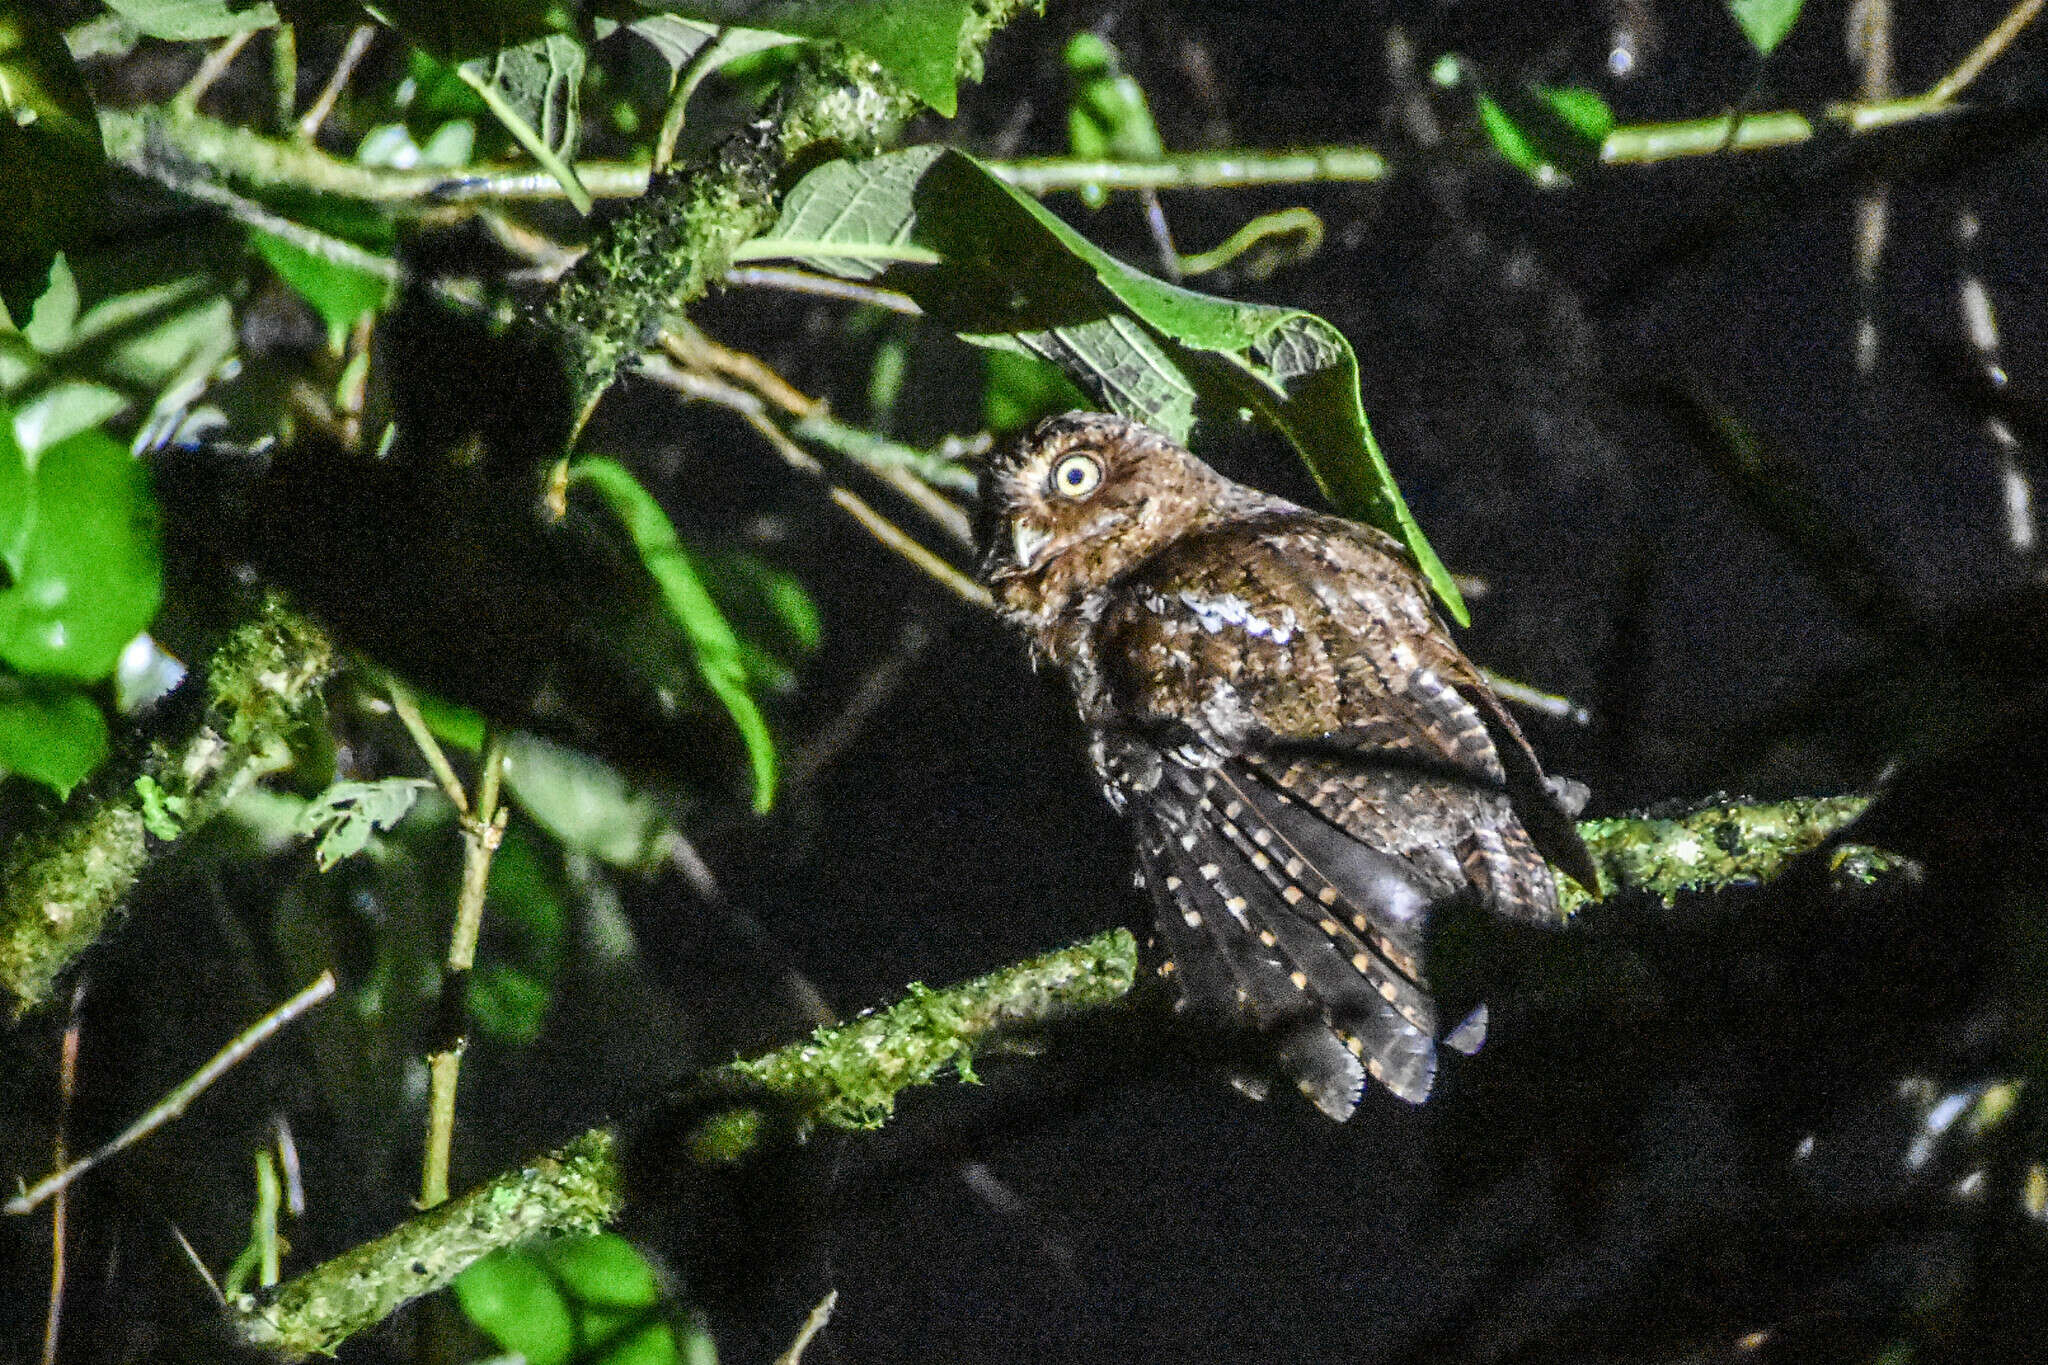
[1308, 762]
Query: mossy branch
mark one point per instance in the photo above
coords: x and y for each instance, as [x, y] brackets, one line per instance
[672, 244]
[59, 884]
[845, 1077]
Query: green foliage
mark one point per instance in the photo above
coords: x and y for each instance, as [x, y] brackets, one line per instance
[1765, 22]
[513, 984]
[49, 734]
[343, 817]
[1548, 132]
[593, 1300]
[1107, 114]
[341, 294]
[52, 167]
[184, 20]
[1010, 274]
[583, 802]
[719, 658]
[533, 89]
[916, 41]
[1021, 388]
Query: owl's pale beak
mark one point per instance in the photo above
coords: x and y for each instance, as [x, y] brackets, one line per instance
[1027, 540]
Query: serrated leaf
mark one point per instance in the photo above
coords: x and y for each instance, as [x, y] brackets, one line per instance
[679, 40]
[53, 187]
[916, 41]
[1013, 275]
[190, 20]
[86, 576]
[53, 735]
[717, 648]
[345, 816]
[1765, 22]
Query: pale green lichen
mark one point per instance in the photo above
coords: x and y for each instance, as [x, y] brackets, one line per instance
[1727, 844]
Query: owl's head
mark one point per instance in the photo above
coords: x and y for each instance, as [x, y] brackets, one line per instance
[1079, 500]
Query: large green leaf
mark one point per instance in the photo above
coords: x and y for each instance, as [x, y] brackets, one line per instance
[52, 166]
[85, 576]
[592, 1299]
[187, 20]
[916, 41]
[1010, 274]
[49, 734]
[534, 89]
[720, 659]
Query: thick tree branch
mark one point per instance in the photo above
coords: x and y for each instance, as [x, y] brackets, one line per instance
[59, 884]
[846, 1077]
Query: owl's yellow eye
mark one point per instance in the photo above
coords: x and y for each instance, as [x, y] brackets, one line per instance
[1077, 475]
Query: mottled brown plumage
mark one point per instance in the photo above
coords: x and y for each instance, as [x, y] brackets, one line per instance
[1309, 763]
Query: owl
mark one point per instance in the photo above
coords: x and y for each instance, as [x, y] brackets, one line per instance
[1309, 765]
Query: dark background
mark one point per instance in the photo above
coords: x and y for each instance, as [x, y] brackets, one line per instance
[1688, 1137]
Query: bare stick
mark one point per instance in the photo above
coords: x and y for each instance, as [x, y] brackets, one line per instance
[67, 1089]
[212, 69]
[1985, 53]
[316, 113]
[814, 1323]
[823, 286]
[181, 1098]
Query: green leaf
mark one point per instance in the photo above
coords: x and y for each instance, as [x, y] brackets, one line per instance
[679, 40]
[534, 89]
[719, 659]
[189, 20]
[583, 801]
[1107, 114]
[513, 1299]
[86, 576]
[1581, 109]
[53, 186]
[916, 41]
[593, 1296]
[1020, 388]
[1013, 275]
[457, 30]
[1765, 22]
[344, 816]
[52, 735]
[339, 293]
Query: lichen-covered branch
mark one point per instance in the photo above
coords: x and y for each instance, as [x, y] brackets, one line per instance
[846, 1076]
[59, 884]
[1718, 845]
[573, 1190]
[671, 245]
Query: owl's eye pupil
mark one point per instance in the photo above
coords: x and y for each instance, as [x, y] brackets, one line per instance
[1077, 475]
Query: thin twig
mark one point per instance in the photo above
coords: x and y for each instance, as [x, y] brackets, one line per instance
[212, 69]
[690, 347]
[814, 1323]
[1985, 53]
[1545, 703]
[204, 1274]
[175, 1103]
[430, 748]
[877, 525]
[481, 835]
[316, 113]
[67, 1091]
[824, 286]
[688, 77]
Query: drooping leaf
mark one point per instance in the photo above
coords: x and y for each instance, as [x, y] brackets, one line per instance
[1765, 22]
[191, 20]
[343, 817]
[916, 41]
[679, 40]
[719, 660]
[52, 166]
[85, 574]
[1011, 274]
[49, 734]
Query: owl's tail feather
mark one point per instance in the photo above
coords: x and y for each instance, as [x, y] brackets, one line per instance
[1323, 989]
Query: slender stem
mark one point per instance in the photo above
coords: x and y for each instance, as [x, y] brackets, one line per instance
[527, 137]
[60, 1207]
[1235, 169]
[1985, 53]
[482, 831]
[701, 64]
[212, 69]
[175, 1103]
[814, 1322]
[415, 724]
[359, 40]
[823, 286]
